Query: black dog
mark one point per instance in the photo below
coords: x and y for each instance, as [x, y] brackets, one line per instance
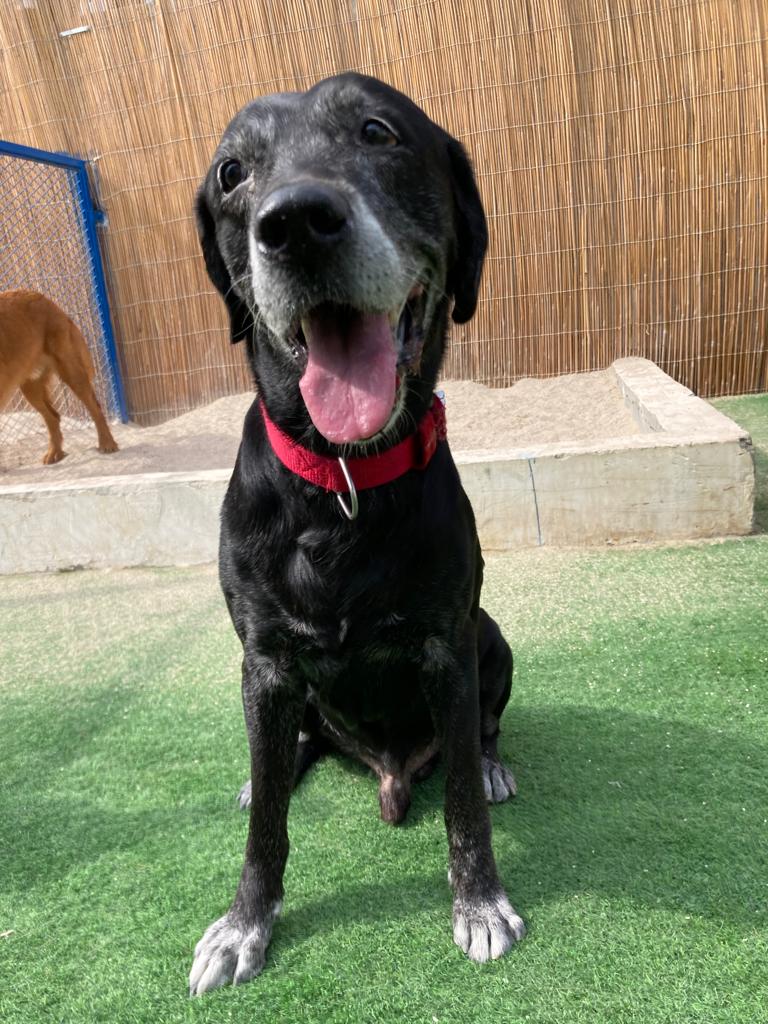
[339, 225]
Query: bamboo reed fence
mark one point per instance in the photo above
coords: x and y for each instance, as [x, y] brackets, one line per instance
[620, 147]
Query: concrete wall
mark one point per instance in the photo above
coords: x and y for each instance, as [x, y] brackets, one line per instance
[673, 492]
[690, 476]
[149, 519]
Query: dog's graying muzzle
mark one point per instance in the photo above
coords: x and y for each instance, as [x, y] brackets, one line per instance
[300, 217]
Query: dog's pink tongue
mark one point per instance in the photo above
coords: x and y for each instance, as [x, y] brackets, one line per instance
[348, 386]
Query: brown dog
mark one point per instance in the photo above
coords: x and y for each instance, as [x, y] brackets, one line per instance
[37, 339]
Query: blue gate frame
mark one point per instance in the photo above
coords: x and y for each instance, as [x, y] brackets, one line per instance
[90, 216]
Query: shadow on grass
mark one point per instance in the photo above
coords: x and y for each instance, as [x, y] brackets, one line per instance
[611, 803]
[620, 805]
[630, 805]
[43, 735]
[69, 763]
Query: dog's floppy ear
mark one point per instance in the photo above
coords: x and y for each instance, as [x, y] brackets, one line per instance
[240, 319]
[471, 235]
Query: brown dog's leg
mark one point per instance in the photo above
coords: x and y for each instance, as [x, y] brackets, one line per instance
[38, 395]
[87, 396]
[77, 374]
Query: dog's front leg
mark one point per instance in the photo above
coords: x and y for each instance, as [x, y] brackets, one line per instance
[485, 924]
[233, 948]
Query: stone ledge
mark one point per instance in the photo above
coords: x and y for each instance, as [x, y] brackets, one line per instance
[690, 475]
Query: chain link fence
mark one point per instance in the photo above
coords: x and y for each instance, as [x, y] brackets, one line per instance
[48, 244]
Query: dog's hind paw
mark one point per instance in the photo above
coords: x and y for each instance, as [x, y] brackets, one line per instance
[244, 796]
[229, 952]
[487, 929]
[498, 781]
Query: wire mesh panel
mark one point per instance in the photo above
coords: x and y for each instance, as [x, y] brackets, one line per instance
[47, 245]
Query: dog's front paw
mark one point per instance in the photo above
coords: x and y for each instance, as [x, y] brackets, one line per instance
[228, 952]
[498, 781]
[487, 928]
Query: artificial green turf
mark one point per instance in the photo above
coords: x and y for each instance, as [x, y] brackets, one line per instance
[637, 849]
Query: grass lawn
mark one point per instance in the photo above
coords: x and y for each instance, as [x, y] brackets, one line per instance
[637, 849]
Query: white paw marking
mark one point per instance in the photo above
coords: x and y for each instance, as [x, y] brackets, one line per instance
[498, 781]
[244, 796]
[485, 931]
[229, 953]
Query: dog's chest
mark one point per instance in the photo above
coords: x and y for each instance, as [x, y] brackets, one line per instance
[361, 671]
[335, 592]
[349, 607]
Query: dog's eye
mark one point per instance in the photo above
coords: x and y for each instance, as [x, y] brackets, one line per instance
[376, 133]
[231, 174]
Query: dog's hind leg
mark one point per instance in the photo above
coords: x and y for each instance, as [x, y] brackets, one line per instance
[310, 748]
[37, 393]
[77, 374]
[495, 677]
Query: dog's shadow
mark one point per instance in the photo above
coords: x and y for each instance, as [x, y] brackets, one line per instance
[611, 803]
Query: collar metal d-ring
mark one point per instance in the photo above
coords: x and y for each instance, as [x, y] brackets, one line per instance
[349, 512]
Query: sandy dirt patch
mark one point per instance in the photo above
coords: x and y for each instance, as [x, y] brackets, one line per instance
[578, 407]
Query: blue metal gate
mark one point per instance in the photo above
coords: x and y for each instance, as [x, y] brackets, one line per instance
[48, 243]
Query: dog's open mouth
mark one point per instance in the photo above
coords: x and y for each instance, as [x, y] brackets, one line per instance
[353, 364]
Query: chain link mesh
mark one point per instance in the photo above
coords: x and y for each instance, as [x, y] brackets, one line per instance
[44, 248]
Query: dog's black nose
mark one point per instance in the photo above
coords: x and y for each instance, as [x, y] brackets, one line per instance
[296, 217]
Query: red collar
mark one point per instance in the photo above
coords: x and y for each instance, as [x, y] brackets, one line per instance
[373, 470]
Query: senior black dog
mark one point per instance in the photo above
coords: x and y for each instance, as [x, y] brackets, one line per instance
[341, 227]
